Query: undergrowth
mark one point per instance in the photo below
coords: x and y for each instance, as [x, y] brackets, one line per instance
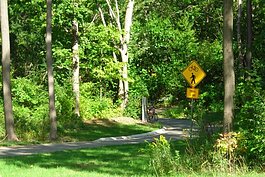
[220, 154]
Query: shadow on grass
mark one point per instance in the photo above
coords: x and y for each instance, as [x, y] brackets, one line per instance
[89, 131]
[124, 160]
[102, 128]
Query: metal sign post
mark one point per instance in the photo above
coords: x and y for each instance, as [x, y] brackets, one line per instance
[191, 126]
[193, 74]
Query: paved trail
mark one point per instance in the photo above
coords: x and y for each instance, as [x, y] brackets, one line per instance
[173, 128]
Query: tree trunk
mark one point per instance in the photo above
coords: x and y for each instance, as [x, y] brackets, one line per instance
[52, 110]
[8, 111]
[124, 84]
[124, 40]
[239, 40]
[76, 68]
[249, 35]
[229, 75]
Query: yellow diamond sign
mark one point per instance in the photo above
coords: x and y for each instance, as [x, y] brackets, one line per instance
[193, 74]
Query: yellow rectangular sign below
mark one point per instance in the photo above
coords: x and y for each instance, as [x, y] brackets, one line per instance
[192, 93]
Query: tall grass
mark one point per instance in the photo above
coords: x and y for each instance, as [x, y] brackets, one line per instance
[211, 157]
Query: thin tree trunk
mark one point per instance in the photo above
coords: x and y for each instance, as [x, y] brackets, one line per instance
[124, 40]
[76, 68]
[249, 35]
[52, 110]
[8, 111]
[229, 75]
[239, 40]
[125, 53]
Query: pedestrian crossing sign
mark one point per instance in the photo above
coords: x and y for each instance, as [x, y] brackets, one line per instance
[193, 74]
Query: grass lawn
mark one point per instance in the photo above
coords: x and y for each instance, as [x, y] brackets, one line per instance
[125, 160]
[93, 130]
[96, 129]
[113, 161]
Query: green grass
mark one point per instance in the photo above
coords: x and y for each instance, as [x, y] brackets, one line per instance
[113, 161]
[89, 132]
[125, 160]
[92, 131]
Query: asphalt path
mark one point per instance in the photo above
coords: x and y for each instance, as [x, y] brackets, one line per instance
[172, 129]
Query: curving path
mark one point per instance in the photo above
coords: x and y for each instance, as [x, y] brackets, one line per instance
[173, 129]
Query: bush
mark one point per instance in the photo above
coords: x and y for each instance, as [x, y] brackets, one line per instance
[65, 106]
[97, 108]
[226, 156]
[219, 154]
[250, 119]
[174, 112]
[134, 107]
[163, 159]
[138, 89]
[30, 106]
[92, 106]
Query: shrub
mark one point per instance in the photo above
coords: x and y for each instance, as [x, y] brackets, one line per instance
[226, 155]
[250, 119]
[220, 154]
[65, 106]
[138, 89]
[30, 106]
[92, 106]
[134, 106]
[163, 159]
[174, 112]
[97, 108]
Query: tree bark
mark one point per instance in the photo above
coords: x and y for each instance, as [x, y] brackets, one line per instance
[76, 68]
[249, 35]
[229, 75]
[124, 40]
[8, 111]
[124, 84]
[52, 110]
[239, 40]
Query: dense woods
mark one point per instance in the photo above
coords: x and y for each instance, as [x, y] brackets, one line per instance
[75, 60]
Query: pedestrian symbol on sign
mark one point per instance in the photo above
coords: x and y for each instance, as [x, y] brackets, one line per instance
[193, 78]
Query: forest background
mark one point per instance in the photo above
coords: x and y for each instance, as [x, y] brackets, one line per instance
[164, 37]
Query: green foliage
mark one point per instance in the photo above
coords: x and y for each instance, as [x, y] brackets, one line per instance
[27, 27]
[174, 112]
[220, 154]
[30, 105]
[165, 36]
[65, 106]
[197, 154]
[251, 117]
[163, 159]
[97, 108]
[227, 148]
[93, 106]
[133, 109]
[162, 47]
[2, 121]
[138, 89]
